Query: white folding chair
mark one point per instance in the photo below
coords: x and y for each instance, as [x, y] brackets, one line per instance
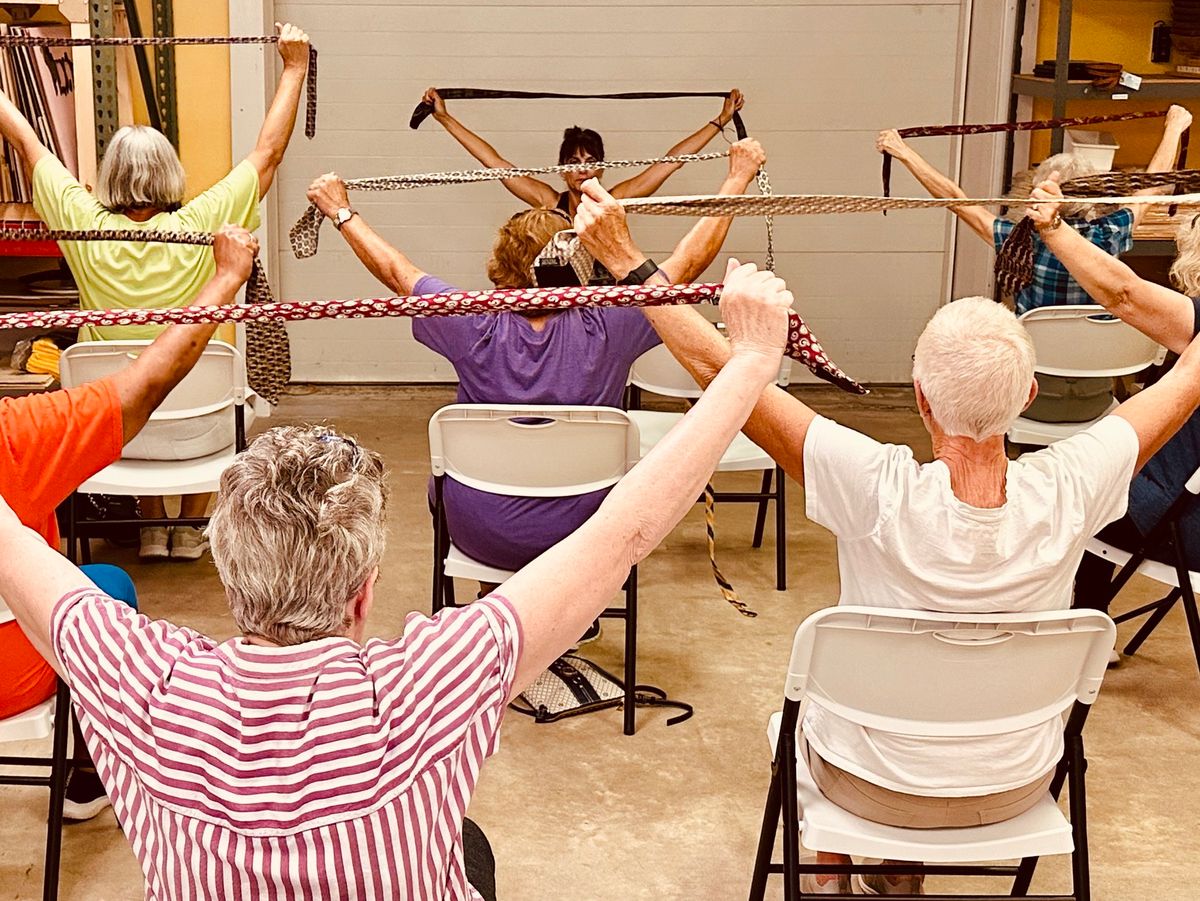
[210, 402]
[659, 373]
[532, 451]
[939, 675]
[1183, 582]
[52, 717]
[1080, 341]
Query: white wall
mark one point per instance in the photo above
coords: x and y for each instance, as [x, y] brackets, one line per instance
[821, 79]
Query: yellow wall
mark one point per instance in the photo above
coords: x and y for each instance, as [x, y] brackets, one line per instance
[1113, 31]
[202, 91]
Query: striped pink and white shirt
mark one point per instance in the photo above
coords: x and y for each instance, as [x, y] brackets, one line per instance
[326, 770]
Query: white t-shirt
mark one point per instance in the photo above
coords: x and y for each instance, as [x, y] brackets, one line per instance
[904, 540]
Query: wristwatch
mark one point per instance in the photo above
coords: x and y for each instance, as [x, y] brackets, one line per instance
[1050, 226]
[639, 275]
[342, 216]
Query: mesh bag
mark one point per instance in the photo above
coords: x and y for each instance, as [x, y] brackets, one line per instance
[563, 262]
[574, 685]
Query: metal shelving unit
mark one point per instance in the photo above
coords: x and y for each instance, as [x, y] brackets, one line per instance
[1061, 90]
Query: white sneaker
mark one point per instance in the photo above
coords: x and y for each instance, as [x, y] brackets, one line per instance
[1114, 658]
[188, 543]
[873, 884]
[810, 886]
[153, 544]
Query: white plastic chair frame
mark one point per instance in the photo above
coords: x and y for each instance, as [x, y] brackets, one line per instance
[863, 662]
[1177, 575]
[1068, 341]
[29, 725]
[507, 449]
[658, 372]
[108, 357]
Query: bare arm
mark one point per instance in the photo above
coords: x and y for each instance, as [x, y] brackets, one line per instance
[384, 261]
[652, 178]
[1156, 413]
[146, 382]
[779, 422]
[980, 219]
[18, 132]
[281, 116]
[1178, 120]
[702, 243]
[1164, 315]
[564, 589]
[533, 191]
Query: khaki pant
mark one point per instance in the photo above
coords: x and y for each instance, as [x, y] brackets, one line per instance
[891, 808]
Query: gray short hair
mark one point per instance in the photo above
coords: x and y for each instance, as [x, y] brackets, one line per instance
[298, 528]
[140, 169]
[974, 362]
[1068, 166]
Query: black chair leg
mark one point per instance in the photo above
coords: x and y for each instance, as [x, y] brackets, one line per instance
[766, 837]
[791, 816]
[1164, 607]
[631, 619]
[1080, 871]
[780, 531]
[1024, 877]
[59, 770]
[71, 529]
[761, 520]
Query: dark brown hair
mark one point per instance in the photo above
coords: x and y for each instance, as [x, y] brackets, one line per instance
[576, 139]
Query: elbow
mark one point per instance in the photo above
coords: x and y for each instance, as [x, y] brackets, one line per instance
[1121, 298]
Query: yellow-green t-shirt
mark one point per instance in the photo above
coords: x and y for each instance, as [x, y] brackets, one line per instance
[126, 274]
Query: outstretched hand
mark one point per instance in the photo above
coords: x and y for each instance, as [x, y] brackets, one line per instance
[601, 226]
[746, 157]
[733, 103]
[293, 47]
[890, 142]
[328, 194]
[234, 250]
[1049, 190]
[434, 99]
[755, 306]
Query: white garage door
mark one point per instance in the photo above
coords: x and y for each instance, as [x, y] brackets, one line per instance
[821, 79]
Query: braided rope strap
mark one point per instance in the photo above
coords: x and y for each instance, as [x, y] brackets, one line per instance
[268, 351]
[1015, 260]
[927, 131]
[304, 235]
[802, 344]
[710, 527]
[310, 85]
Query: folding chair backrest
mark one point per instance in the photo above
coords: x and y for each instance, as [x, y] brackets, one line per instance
[942, 674]
[216, 381]
[533, 450]
[1080, 341]
[658, 372]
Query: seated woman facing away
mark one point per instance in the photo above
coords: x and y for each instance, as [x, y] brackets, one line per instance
[580, 145]
[970, 531]
[298, 760]
[579, 356]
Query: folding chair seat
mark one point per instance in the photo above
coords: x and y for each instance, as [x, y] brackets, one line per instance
[938, 675]
[211, 399]
[529, 450]
[1080, 341]
[50, 719]
[659, 373]
[1149, 560]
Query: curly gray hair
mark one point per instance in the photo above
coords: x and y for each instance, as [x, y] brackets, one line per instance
[299, 527]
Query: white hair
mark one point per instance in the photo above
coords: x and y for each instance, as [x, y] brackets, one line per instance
[140, 169]
[974, 363]
[1185, 271]
[297, 530]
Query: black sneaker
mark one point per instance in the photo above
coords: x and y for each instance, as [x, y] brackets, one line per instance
[86, 796]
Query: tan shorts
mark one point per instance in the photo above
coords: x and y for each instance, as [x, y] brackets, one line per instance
[891, 808]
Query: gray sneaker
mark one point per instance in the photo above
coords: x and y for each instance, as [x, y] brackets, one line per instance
[188, 543]
[154, 544]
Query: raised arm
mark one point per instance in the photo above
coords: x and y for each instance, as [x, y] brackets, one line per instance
[386, 263]
[533, 191]
[281, 116]
[1178, 120]
[651, 179]
[779, 423]
[1164, 315]
[563, 590]
[1157, 412]
[980, 219]
[18, 132]
[702, 243]
[146, 382]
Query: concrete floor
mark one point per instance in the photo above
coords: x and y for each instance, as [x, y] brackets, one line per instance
[576, 809]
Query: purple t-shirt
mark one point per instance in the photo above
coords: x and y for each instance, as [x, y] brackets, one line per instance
[581, 356]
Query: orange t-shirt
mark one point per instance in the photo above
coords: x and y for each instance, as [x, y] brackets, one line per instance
[51, 443]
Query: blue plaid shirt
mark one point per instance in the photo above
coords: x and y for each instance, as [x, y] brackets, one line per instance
[1052, 285]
